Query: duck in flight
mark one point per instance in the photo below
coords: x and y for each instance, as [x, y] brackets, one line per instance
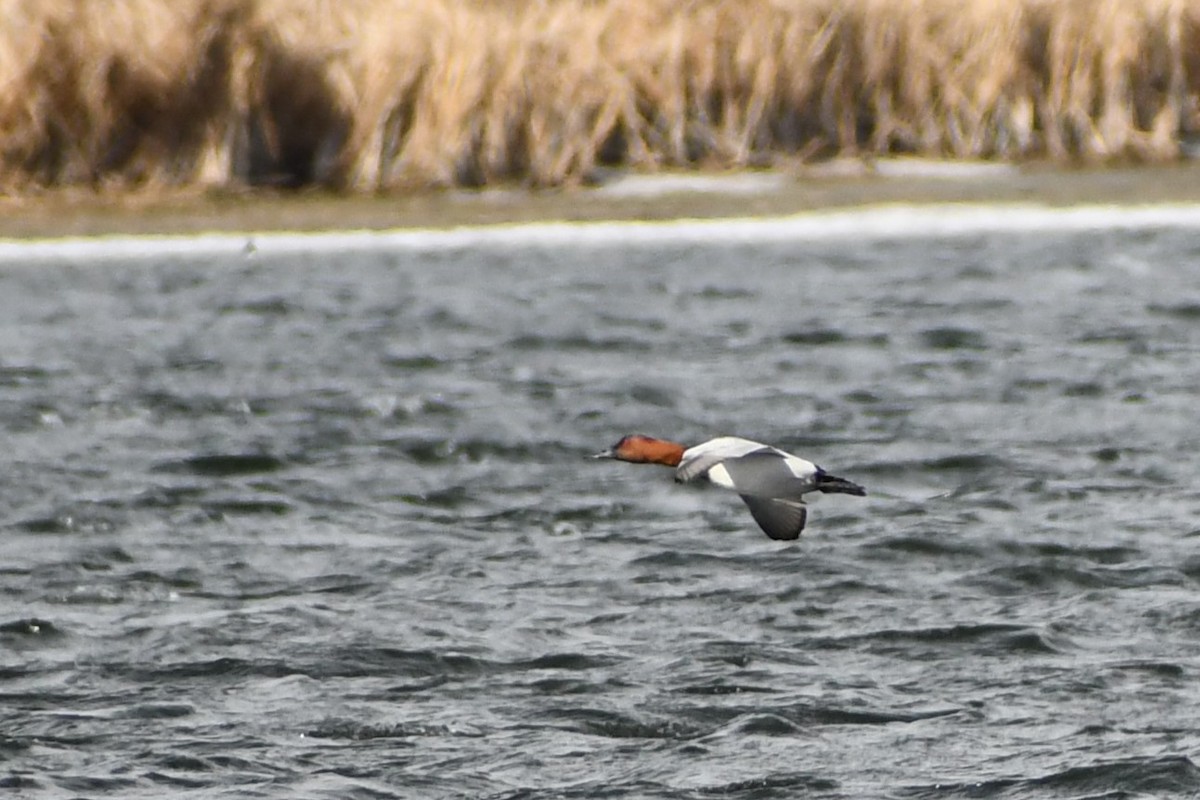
[770, 481]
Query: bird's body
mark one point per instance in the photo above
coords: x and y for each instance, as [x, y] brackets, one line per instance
[770, 481]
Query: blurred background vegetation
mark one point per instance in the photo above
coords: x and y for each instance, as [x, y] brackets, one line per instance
[385, 95]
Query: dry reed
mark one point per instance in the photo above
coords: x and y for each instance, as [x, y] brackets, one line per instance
[379, 94]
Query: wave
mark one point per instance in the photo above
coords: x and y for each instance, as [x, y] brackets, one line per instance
[1154, 776]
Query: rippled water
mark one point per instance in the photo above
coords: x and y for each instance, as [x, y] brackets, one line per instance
[315, 520]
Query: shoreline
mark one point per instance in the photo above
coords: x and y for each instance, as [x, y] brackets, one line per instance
[881, 223]
[834, 186]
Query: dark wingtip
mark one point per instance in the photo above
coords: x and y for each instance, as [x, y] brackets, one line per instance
[782, 520]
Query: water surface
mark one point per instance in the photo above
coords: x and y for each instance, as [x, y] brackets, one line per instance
[313, 518]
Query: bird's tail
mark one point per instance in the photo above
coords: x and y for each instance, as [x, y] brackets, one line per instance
[832, 484]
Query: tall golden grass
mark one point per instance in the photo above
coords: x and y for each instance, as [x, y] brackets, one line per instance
[382, 94]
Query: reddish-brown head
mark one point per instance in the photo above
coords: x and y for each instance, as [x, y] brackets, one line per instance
[638, 449]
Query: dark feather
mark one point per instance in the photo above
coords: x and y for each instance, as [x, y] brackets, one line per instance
[832, 484]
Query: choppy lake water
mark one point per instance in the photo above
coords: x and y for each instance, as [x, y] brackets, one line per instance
[313, 519]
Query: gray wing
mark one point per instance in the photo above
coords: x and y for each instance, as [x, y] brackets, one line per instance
[780, 519]
[697, 465]
[765, 474]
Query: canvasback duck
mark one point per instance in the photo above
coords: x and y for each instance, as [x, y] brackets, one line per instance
[770, 481]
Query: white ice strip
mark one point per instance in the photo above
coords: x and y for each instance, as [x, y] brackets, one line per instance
[879, 222]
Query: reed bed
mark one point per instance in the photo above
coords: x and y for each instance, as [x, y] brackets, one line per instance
[372, 95]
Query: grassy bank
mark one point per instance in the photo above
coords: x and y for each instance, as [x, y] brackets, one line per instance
[371, 95]
[84, 213]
